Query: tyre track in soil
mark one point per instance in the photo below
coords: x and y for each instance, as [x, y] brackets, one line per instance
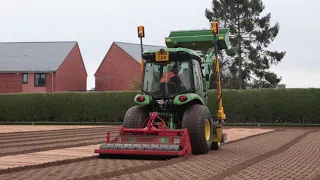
[217, 162]
[31, 134]
[46, 138]
[318, 175]
[55, 142]
[298, 161]
[95, 168]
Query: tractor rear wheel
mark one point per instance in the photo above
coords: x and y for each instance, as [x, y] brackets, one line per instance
[135, 117]
[198, 121]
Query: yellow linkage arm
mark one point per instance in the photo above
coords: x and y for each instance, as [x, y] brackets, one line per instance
[215, 30]
[220, 114]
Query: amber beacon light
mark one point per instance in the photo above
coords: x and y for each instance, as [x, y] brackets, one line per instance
[215, 27]
[141, 31]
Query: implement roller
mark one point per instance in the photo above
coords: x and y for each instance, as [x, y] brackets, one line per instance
[171, 117]
[148, 140]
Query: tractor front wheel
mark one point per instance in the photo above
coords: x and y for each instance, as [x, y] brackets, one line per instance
[135, 117]
[198, 121]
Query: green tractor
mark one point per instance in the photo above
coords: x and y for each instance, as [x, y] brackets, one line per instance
[171, 116]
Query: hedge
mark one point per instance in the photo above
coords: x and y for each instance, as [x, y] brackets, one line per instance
[241, 106]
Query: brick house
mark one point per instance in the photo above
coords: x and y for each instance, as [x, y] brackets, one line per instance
[120, 67]
[41, 67]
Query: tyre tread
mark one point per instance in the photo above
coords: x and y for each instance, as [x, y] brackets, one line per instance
[192, 119]
[134, 117]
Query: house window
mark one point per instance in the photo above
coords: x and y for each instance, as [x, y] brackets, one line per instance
[25, 78]
[39, 79]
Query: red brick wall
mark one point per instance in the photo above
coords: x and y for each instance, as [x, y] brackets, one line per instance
[116, 71]
[49, 82]
[71, 75]
[30, 88]
[10, 83]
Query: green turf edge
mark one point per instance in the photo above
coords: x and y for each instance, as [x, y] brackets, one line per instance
[119, 123]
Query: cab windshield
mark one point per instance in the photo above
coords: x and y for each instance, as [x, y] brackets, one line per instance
[167, 79]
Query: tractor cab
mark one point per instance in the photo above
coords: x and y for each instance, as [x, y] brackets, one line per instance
[170, 72]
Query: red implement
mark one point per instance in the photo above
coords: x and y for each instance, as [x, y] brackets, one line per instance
[153, 139]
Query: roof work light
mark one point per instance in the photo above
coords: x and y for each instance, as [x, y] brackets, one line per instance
[215, 27]
[141, 35]
[141, 31]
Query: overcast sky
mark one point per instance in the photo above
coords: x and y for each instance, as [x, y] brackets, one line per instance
[96, 24]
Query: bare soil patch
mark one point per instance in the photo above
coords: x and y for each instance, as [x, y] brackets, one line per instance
[283, 154]
[28, 142]
[26, 128]
[218, 162]
[93, 168]
[298, 160]
[26, 159]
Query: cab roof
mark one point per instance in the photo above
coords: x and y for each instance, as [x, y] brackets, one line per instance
[189, 51]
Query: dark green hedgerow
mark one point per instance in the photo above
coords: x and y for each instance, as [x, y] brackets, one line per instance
[65, 107]
[246, 106]
[271, 106]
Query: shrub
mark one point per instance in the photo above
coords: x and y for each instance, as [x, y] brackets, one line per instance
[241, 106]
[270, 105]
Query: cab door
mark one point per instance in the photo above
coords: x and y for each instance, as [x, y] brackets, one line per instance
[198, 80]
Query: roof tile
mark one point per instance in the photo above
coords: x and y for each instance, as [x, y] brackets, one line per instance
[33, 56]
[134, 50]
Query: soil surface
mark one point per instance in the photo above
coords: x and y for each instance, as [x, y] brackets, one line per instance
[286, 153]
[34, 158]
[25, 128]
[28, 142]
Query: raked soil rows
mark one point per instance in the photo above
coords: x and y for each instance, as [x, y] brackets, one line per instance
[219, 165]
[30, 128]
[282, 154]
[27, 142]
[71, 153]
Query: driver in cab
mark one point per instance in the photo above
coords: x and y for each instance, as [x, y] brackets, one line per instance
[172, 77]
